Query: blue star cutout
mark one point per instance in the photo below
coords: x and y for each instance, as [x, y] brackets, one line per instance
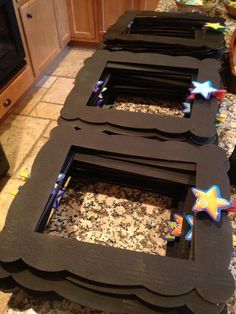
[205, 89]
[188, 236]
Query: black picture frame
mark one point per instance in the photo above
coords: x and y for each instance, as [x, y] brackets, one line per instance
[199, 127]
[206, 43]
[99, 297]
[207, 274]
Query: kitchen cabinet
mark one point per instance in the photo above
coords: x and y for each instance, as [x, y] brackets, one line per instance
[149, 5]
[89, 19]
[112, 9]
[46, 27]
[12, 93]
[62, 20]
[39, 23]
[83, 16]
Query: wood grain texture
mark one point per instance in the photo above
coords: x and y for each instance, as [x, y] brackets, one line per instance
[62, 20]
[148, 4]
[15, 90]
[39, 24]
[112, 9]
[83, 19]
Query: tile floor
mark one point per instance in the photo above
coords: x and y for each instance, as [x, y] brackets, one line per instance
[27, 129]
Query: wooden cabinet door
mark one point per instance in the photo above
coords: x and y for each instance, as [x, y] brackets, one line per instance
[63, 28]
[83, 16]
[112, 9]
[39, 24]
[149, 5]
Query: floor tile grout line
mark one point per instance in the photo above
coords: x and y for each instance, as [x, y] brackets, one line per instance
[52, 103]
[41, 99]
[50, 89]
[33, 117]
[65, 77]
[46, 89]
[38, 101]
[14, 174]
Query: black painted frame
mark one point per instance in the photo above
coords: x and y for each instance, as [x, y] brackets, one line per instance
[208, 274]
[200, 126]
[203, 37]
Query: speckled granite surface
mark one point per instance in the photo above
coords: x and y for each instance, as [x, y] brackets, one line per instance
[151, 106]
[112, 215]
[88, 213]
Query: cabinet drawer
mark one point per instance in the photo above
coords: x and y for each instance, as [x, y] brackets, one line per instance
[15, 90]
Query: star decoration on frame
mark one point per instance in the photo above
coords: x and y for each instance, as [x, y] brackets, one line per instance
[97, 86]
[188, 236]
[60, 177]
[186, 108]
[215, 26]
[170, 225]
[176, 232]
[211, 202]
[58, 198]
[205, 89]
[233, 208]
[174, 228]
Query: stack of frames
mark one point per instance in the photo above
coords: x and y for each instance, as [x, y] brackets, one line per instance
[109, 75]
[157, 154]
[177, 34]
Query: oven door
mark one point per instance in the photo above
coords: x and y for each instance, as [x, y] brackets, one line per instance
[12, 55]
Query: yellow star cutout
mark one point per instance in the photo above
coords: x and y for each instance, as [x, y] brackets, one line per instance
[215, 26]
[211, 202]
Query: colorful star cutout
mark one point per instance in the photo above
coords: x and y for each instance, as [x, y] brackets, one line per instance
[168, 236]
[215, 26]
[97, 86]
[211, 202]
[177, 230]
[187, 107]
[25, 175]
[233, 208]
[60, 177]
[58, 198]
[220, 117]
[189, 219]
[205, 89]
[174, 228]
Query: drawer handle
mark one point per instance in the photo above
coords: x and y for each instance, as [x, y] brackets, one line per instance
[7, 102]
[29, 15]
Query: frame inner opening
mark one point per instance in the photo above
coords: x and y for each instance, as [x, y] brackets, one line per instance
[116, 208]
[154, 26]
[143, 88]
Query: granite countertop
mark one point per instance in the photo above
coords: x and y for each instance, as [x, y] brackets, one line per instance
[117, 216]
[112, 215]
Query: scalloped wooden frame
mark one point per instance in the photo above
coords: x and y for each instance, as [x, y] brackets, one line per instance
[200, 126]
[123, 268]
[31, 279]
[208, 38]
